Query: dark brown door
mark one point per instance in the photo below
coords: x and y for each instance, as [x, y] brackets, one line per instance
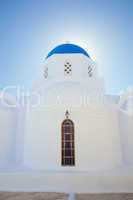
[68, 146]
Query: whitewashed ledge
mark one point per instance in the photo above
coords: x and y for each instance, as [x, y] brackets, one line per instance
[120, 181]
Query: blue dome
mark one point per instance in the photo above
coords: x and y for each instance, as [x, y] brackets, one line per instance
[66, 49]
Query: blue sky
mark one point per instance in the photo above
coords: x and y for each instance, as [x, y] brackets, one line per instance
[29, 29]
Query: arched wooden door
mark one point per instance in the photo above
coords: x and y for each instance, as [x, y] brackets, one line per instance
[68, 144]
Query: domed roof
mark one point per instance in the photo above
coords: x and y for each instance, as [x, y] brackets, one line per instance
[67, 49]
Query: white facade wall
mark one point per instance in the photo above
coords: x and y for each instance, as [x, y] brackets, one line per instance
[97, 140]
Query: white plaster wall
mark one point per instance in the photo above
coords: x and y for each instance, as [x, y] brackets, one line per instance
[20, 127]
[69, 93]
[126, 130]
[97, 141]
[8, 124]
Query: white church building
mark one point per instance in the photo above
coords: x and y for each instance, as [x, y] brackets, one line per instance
[70, 127]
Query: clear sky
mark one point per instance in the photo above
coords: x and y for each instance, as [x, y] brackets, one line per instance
[29, 29]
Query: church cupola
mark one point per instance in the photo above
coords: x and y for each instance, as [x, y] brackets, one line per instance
[69, 62]
[68, 49]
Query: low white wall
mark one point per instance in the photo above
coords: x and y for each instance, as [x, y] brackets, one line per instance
[20, 135]
[8, 121]
[126, 130]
